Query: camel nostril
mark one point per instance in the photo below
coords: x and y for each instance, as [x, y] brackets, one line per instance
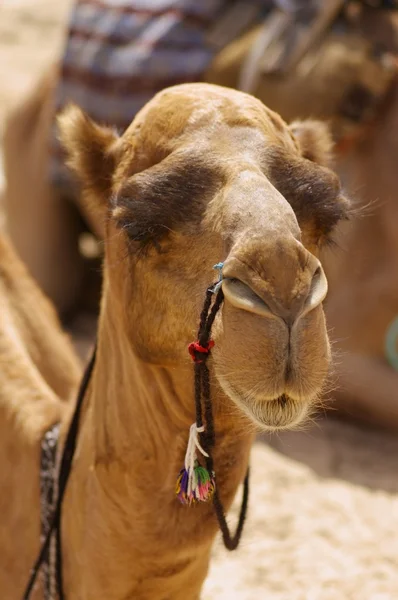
[242, 296]
[316, 275]
[318, 290]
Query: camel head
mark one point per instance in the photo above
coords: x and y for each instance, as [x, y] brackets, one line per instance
[207, 174]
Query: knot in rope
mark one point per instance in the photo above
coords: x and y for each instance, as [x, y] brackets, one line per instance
[198, 352]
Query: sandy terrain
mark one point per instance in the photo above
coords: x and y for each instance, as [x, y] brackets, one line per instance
[323, 522]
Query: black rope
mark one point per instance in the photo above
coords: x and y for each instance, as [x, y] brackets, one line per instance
[202, 392]
[64, 472]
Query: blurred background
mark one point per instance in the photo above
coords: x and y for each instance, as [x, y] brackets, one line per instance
[324, 507]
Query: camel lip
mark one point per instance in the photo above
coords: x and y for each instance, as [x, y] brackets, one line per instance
[282, 400]
[283, 412]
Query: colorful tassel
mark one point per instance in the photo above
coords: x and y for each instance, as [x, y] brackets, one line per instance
[194, 483]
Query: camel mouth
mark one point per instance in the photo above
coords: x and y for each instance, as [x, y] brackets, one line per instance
[282, 412]
[282, 400]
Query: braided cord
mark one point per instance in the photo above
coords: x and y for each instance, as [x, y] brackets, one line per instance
[202, 393]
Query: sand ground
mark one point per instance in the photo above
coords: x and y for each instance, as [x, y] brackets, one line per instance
[323, 520]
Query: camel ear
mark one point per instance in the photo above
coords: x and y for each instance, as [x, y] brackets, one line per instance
[91, 151]
[315, 141]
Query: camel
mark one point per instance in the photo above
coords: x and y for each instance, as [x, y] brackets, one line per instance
[350, 80]
[204, 174]
[39, 375]
[48, 239]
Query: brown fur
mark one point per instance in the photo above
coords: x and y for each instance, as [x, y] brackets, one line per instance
[314, 193]
[124, 533]
[39, 374]
[165, 198]
[315, 140]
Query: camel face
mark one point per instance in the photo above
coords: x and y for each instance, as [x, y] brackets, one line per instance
[206, 174]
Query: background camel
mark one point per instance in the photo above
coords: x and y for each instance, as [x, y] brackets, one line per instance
[39, 375]
[329, 490]
[164, 231]
[345, 62]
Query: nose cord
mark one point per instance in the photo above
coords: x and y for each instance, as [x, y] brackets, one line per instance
[196, 483]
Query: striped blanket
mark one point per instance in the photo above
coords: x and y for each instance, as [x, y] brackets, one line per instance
[119, 53]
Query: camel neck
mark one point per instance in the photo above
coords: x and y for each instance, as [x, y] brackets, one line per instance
[121, 513]
[137, 405]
